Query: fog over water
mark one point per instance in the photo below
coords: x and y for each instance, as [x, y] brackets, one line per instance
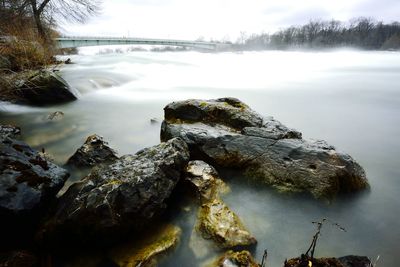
[349, 98]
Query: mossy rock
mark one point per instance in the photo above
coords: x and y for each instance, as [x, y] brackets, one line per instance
[147, 251]
[217, 222]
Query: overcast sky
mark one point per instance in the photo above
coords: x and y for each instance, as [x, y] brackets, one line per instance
[190, 19]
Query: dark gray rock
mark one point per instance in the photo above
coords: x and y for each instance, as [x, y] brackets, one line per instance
[94, 151]
[355, 261]
[234, 136]
[28, 185]
[43, 88]
[120, 197]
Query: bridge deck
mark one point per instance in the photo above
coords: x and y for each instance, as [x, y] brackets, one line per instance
[69, 42]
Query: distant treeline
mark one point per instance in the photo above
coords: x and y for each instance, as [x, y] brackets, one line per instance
[362, 33]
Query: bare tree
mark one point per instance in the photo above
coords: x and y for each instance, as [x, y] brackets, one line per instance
[47, 11]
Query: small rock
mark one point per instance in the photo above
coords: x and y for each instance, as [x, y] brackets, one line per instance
[204, 178]
[55, 116]
[94, 151]
[9, 131]
[154, 121]
[217, 222]
[235, 259]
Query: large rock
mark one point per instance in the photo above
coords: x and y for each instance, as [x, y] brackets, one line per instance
[43, 88]
[228, 133]
[220, 224]
[28, 186]
[94, 151]
[121, 197]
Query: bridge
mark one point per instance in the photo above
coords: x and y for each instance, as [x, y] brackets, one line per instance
[70, 42]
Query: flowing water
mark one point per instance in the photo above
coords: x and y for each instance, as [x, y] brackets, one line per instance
[351, 99]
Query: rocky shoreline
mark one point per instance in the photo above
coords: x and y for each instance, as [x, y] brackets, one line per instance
[129, 195]
[35, 88]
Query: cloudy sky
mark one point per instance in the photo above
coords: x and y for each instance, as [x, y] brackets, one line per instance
[221, 19]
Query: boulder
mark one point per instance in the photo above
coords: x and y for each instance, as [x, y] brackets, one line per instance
[147, 250]
[94, 151]
[43, 88]
[204, 179]
[235, 259]
[122, 197]
[228, 133]
[217, 222]
[28, 186]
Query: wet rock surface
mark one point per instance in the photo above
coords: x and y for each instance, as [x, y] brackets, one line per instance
[228, 133]
[149, 249]
[235, 259]
[120, 197]
[29, 184]
[94, 151]
[204, 180]
[38, 88]
[217, 222]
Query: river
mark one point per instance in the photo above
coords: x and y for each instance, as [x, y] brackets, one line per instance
[349, 98]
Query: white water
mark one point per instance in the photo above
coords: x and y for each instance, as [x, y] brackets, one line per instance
[351, 99]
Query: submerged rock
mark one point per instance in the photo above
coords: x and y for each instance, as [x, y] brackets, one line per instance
[205, 181]
[94, 151]
[42, 88]
[227, 132]
[217, 222]
[28, 185]
[147, 251]
[55, 116]
[121, 197]
[235, 259]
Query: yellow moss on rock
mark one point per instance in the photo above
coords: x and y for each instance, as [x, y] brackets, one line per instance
[147, 250]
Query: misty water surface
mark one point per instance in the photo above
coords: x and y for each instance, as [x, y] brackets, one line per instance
[351, 99]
